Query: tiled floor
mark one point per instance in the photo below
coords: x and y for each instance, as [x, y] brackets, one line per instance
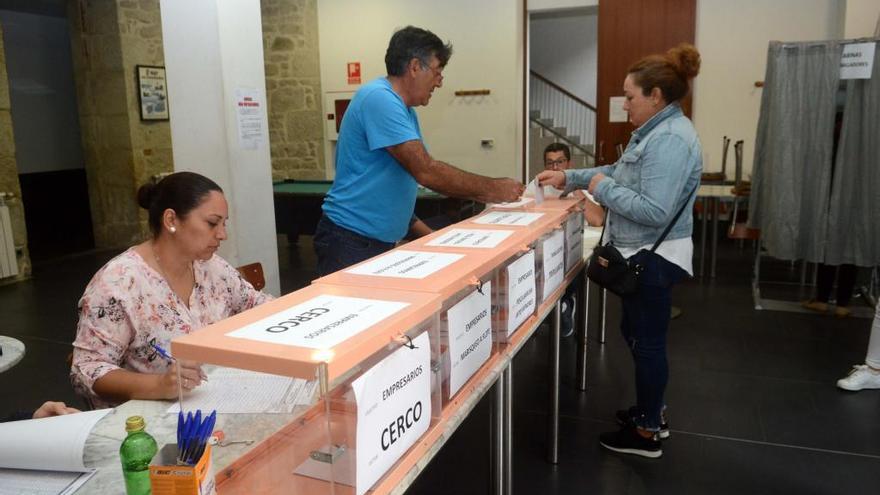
[753, 406]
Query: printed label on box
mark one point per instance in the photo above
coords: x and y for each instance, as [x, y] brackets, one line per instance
[393, 409]
[520, 291]
[508, 218]
[406, 264]
[471, 238]
[320, 323]
[554, 262]
[470, 336]
[574, 241]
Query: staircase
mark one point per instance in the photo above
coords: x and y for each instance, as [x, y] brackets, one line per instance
[556, 115]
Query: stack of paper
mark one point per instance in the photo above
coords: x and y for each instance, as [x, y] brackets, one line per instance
[45, 456]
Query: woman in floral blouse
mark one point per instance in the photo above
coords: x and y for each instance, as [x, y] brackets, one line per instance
[172, 284]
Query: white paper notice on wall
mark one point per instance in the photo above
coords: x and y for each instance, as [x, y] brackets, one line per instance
[857, 61]
[616, 113]
[471, 238]
[320, 323]
[406, 264]
[508, 218]
[520, 291]
[249, 110]
[470, 336]
[393, 409]
[554, 263]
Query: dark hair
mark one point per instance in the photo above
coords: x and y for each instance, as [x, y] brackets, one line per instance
[669, 72]
[412, 42]
[180, 191]
[558, 147]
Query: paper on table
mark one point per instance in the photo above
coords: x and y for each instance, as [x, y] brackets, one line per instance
[235, 391]
[51, 444]
[513, 204]
[29, 482]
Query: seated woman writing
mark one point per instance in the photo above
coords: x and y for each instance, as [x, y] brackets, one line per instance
[170, 285]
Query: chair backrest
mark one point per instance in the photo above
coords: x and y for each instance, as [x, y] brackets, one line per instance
[253, 273]
[725, 143]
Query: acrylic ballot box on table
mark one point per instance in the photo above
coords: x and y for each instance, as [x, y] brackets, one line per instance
[516, 285]
[370, 353]
[464, 280]
[573, 225]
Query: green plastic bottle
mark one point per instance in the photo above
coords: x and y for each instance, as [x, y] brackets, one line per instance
[136, 453]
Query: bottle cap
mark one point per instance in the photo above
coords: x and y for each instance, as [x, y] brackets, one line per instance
[134, 423]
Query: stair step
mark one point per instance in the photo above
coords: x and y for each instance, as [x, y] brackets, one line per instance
[534, 114]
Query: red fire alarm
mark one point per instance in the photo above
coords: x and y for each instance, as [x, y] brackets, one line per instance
[354, 73]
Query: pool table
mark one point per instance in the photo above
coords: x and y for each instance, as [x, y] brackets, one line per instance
[298, 206]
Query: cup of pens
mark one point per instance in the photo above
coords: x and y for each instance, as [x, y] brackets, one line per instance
[185, 468]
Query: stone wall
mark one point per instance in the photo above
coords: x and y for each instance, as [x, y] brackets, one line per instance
[108, 39]
[9, 172]
[293, 86]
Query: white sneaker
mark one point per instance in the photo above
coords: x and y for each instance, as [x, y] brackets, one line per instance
[861, 377]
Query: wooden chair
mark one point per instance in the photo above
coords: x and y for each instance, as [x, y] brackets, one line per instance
[253, 273]
[739, 228]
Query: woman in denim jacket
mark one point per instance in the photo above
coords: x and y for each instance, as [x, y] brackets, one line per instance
[656, 176]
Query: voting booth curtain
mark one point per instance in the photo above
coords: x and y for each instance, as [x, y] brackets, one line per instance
[809, 203]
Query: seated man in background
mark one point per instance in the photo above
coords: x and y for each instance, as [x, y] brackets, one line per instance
[381, 158]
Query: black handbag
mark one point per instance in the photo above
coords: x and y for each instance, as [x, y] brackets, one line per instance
[610, 270]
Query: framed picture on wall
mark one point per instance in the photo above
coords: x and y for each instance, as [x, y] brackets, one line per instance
[152, 92]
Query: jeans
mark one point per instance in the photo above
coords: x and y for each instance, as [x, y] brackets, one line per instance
[339, 248]
[644, 325]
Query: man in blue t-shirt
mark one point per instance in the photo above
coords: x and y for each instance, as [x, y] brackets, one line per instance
[380, 158]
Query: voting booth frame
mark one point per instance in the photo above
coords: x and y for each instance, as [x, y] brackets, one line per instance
[399, 345]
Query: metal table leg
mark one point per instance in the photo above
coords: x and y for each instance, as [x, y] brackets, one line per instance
[704, 202]
[553, 430]
[496, 437]
[602, 315]
[507, 377]
[715, 202]
[584, 296]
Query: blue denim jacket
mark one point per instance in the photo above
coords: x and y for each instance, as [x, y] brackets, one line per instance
[645, 188]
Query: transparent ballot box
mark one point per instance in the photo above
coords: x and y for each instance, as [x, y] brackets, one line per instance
[573, 206]
[462, 278]
[367, 355]
[516, 289]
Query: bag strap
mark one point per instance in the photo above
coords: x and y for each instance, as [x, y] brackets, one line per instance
[674, 219]
[665, 231]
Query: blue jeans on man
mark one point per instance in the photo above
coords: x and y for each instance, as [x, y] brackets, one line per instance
[339, 248]
[644, 326]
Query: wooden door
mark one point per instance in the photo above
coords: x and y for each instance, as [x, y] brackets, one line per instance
[629, 30]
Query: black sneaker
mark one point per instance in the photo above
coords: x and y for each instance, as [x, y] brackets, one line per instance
[629, 441]
[566, 320]
[626, 417]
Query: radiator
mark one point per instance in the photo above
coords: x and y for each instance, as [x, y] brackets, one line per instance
[8, 262]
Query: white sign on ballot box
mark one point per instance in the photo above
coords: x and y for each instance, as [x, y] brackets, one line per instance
[320, 323]
[470, 336]
[393, 409]
[471, 238]
[520, 291]
[554, 263]
[574, 241]
[508, 218]
[406, 264]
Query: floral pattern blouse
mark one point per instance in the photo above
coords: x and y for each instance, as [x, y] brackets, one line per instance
[128, 306]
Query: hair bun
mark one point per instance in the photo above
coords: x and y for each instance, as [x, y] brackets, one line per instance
[686, 60]
[145, 195]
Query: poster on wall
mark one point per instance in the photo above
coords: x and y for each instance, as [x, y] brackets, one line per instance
[152, 92]
[249, 115]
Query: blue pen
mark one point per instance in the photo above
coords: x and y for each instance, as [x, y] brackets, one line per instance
[162, 352]
[206, 433]
[195, 452]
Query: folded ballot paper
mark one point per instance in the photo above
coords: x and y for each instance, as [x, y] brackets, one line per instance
[45, 456]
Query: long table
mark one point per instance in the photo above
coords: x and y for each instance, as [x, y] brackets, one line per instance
[102, 446]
